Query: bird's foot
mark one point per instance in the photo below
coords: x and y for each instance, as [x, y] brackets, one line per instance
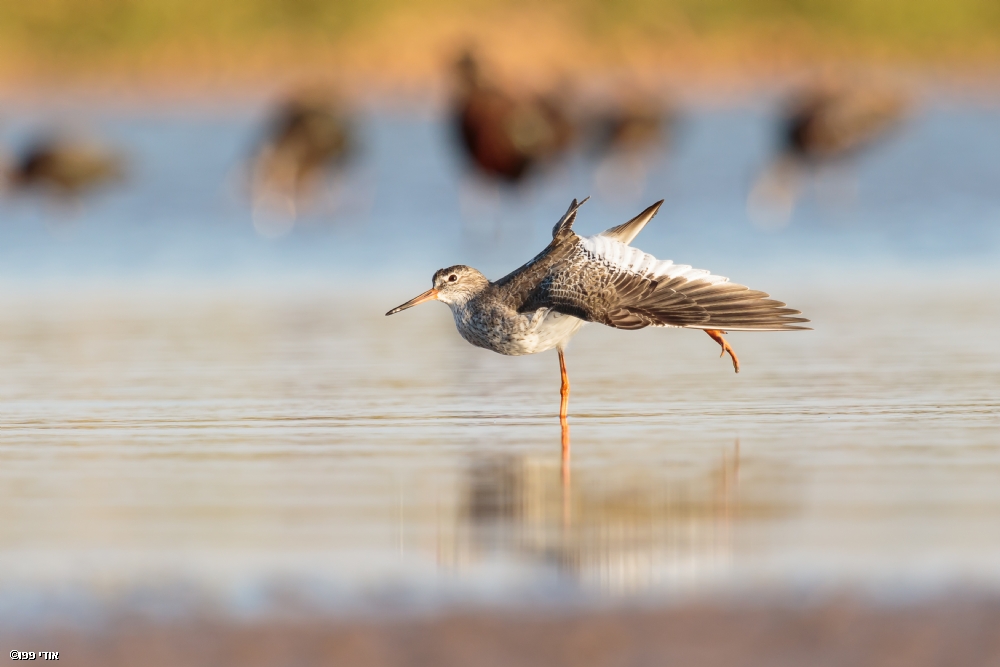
[716, 335]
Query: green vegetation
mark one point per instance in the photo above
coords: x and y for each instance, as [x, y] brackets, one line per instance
[75, 27]
[902, 22]
[79, 30]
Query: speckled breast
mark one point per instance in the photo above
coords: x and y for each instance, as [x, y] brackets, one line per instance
[518, 333]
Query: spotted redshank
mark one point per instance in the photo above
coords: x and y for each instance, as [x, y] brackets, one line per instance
[597, 279]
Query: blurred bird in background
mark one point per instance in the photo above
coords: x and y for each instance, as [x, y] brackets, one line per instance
[626, 134]
[506, 135]
[820, 127]
[64, 166]
[308, 137]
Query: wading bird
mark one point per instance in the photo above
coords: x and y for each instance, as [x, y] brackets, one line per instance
[505, 135]
[65, 166]
[627, 136]
[635, 123]
[820, 127]
[597, 279]
[307, 135]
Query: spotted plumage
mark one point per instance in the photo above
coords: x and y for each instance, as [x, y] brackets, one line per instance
[600, 279]
[603, 279]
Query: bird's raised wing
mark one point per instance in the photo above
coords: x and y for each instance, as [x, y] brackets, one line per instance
[600, 279]
[628, 231]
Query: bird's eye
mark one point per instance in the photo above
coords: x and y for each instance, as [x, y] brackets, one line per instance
[452, 278]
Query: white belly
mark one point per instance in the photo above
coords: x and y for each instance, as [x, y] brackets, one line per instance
[552, 330]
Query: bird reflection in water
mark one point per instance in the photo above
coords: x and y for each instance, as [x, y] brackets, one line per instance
[307, 139]
[620, 528]
[821, 128]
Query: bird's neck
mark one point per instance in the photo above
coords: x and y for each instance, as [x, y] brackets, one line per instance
[463, 305]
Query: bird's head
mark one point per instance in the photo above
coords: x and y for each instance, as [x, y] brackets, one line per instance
[468, 71]
[455, 286]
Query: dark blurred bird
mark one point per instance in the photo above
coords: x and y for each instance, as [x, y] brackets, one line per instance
[503, 134]
[65, 166]
[626, 136]
[822, 126]
[826, 124]
[308, 134]
[634, 123]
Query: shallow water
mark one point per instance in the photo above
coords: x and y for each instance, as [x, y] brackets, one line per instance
[187, 405]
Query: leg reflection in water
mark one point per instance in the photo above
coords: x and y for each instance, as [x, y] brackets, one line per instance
[564, 425]
[565, 476]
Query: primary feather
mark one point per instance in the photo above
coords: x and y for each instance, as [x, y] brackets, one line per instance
[602, 279]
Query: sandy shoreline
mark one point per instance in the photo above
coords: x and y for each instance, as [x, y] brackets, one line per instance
[938, 631]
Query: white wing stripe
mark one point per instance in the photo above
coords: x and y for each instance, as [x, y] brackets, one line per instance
[622, 257]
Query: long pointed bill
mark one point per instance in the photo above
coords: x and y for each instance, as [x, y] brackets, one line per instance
[429, 295]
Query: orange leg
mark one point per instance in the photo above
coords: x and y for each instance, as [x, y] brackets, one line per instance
[717, 337]
[563, 410]
[564, 390]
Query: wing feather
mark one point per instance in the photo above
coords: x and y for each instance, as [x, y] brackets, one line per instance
[565, 224]
[629, 230]
[605, 280]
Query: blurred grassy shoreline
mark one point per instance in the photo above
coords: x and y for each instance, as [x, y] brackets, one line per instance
[405, 44]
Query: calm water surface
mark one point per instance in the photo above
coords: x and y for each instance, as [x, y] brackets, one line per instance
[186, 404]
